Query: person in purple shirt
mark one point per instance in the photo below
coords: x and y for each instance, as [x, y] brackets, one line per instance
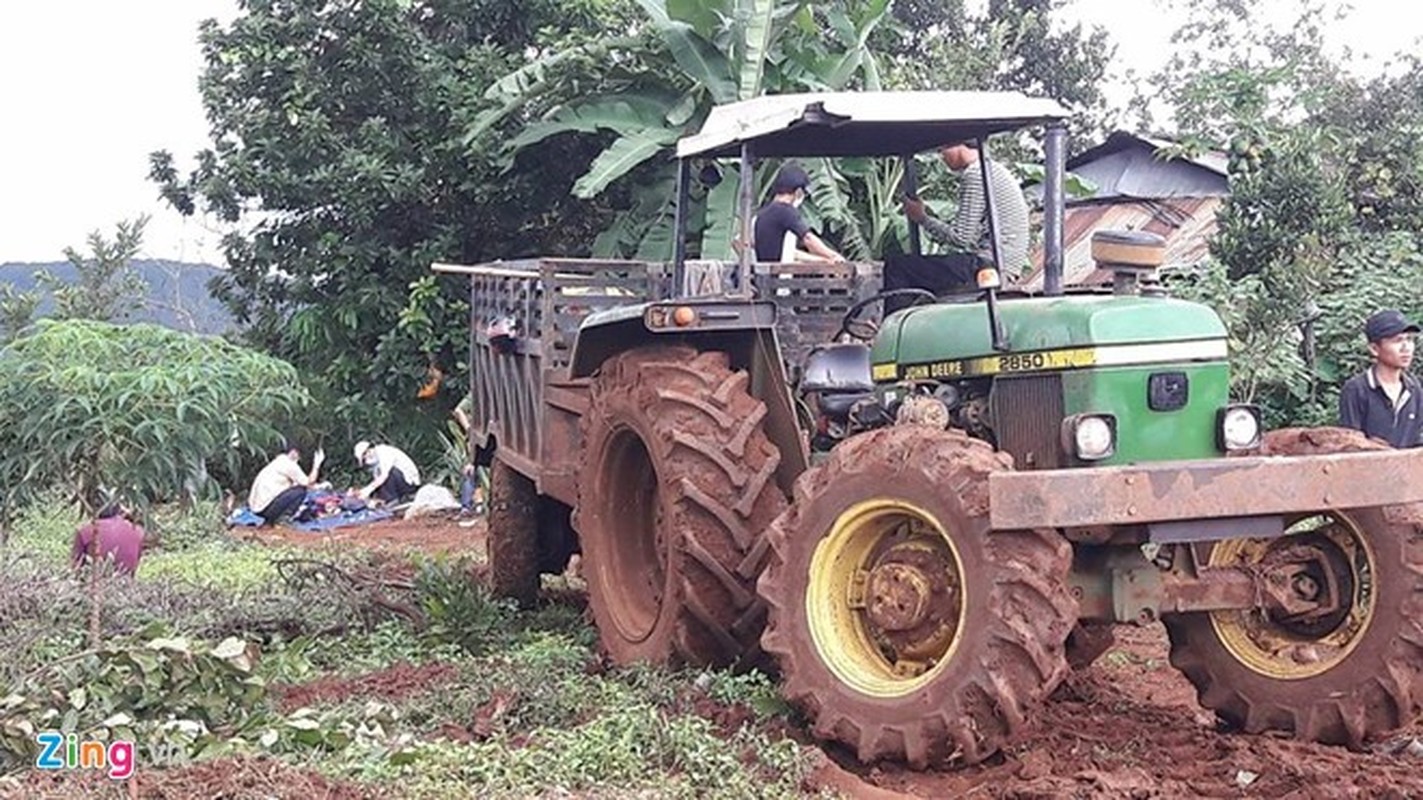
[118, 538]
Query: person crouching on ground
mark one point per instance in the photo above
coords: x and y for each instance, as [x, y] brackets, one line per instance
[281, 486]
[118, 538]
[393, 475]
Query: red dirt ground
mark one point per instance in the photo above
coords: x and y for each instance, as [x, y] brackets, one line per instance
[1129, 727]
[1126, 727]
[428, 535]
[392, 683]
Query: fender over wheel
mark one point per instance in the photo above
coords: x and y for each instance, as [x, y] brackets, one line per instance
[1347, 663]
[676, 488]
[903, 627]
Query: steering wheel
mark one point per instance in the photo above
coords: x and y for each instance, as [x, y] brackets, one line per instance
[866, 329]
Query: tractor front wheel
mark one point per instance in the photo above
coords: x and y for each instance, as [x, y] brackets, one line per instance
[1341, 660]
[903, 627]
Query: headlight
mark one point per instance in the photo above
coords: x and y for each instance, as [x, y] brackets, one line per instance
[1093, 436]
[1239, 427]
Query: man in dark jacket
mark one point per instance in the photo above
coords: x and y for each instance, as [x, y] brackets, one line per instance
[1384, 401]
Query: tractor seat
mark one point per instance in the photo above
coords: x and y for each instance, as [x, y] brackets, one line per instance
[837, 405]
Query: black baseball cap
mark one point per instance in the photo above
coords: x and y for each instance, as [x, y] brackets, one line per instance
[790, 177]
[1386, 323]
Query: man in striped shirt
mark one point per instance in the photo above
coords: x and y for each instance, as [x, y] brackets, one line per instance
[967, 235]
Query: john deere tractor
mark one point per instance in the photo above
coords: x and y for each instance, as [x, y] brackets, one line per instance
[1019, 478]
[933, 522]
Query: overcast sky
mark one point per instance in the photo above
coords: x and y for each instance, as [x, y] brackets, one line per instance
[89, 87]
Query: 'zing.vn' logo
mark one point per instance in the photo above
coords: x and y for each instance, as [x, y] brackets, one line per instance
[61, 752]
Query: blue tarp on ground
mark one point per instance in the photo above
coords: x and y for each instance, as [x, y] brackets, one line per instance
[343, 519]
[244, 516]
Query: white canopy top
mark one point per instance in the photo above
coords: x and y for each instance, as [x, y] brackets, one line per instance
[863, 123]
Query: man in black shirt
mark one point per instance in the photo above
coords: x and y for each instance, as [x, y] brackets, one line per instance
[1384, 401]
[780, 220]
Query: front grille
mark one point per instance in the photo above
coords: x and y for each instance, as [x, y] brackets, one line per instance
[1027, 419]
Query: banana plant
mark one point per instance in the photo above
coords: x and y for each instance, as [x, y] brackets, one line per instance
[684, 57]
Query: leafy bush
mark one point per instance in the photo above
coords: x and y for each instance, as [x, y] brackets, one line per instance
[139, 409]
[460, 610]
[165, 693]
[1270, 361]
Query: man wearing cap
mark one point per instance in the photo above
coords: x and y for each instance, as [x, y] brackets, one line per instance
[394, 476]
[779, 227]
[1384, 401]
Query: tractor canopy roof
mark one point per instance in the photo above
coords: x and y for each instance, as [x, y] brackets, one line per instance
[862, 123]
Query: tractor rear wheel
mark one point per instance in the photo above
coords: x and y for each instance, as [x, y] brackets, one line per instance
[1337, 670]
[903, 627]
[676, 488]
[512, 544]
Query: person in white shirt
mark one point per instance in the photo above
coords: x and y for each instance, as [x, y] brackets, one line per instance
[394, 476]
[280, 487]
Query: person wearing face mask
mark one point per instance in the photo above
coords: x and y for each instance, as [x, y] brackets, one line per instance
[779, 230]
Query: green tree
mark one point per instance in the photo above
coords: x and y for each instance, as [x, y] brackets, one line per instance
[653, 79]
[105, 287]
[1009, 45]
[337, 150]
[143, 411]
[1319, 229]
[17, 311]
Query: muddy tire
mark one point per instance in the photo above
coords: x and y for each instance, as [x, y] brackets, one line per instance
[512, 544]
[902, 627]
[676, 489]
[1340, 678]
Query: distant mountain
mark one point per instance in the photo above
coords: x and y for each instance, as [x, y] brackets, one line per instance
[178, 294]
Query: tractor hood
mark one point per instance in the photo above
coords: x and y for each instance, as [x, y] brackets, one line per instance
[1045, 333]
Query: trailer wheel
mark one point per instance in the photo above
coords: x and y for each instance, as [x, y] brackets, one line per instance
[675, 490]
[512, 544]
[1343, 672]
[902, 626]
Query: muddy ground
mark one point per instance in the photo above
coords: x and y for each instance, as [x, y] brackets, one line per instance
[432, 535]
[1126, 727]
[1129, 727]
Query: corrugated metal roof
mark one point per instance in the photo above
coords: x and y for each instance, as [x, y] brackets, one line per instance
[1187, 223]
[1212, 160]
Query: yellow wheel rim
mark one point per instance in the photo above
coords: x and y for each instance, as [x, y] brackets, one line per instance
[1285, 651]
[885, 598]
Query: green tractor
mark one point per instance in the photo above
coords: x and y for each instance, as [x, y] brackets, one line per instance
[937, 521]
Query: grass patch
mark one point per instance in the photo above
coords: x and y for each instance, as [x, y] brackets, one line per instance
[227, 566]
[627, 751]
[529, 709]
